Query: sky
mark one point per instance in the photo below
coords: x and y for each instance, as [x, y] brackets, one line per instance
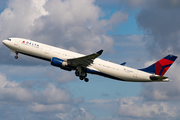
[138, 32]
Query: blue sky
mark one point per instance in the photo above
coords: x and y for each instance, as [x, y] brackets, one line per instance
[138, 32]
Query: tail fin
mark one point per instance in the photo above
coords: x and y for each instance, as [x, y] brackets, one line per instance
[161, 66]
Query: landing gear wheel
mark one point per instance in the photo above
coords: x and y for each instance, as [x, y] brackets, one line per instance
[81, 77]
[16, 57]
[85, 75]
[76, 73]
[86, 80]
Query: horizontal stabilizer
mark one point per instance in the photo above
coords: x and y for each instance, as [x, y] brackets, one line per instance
[153, 77]
[159, 78]
[124, 63]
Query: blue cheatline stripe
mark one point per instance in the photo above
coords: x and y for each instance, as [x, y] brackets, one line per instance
[102, 74]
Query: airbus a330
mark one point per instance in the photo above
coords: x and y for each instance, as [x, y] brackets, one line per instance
[83, 64]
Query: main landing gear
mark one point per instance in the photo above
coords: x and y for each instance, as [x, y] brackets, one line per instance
[16, 57]
[81, 74]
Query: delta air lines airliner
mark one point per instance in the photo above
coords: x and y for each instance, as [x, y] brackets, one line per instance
[83, 64]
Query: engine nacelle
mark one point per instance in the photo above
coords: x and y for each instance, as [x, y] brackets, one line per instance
[58, 62]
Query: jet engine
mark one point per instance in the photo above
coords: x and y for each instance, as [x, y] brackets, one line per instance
[61, 63]
[58, 62]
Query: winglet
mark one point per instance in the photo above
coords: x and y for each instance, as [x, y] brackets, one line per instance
[100, 52]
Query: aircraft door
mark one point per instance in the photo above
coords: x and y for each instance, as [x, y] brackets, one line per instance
[16, 42]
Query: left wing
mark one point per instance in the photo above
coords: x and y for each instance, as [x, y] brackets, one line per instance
[85, 60]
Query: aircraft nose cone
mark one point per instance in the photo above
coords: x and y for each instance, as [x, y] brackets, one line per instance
[3, 41]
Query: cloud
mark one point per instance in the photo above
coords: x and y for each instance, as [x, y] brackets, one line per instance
[15, 17]
[160, 21]
[36, 108]
[78, 26]
[130, 40]
[50, 99]
[102, 106]
[117, 3]
[164, 91]
[13, 91]
[135, 107]
[15, 21]
[76, 114]
[130, 46]
[42, 74]
[55, 95]
[8, 91]
[118, 17]
[73, 25]
[102, 101]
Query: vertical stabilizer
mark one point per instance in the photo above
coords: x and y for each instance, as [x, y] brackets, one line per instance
[161, 66]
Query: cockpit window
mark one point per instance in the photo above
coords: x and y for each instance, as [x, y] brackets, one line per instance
[9, 39]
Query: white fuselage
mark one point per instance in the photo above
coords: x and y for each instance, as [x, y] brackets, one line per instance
[47, 52]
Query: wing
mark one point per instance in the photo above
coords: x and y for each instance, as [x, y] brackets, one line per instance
[85, 60]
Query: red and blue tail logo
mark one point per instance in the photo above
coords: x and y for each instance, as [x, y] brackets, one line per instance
[161, 66]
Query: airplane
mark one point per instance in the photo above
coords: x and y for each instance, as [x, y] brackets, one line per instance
[83, 64]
